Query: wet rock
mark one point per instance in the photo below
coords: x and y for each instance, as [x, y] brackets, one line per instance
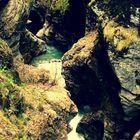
[11, 25]
[31, 46]
[91, 126]
[65, 24]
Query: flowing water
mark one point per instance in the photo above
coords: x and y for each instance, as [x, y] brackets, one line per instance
[52, 53]
[51, 61]
[73, 135]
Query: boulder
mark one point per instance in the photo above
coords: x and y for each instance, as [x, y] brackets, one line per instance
[91, 126]
[78, 70]
[31, 46]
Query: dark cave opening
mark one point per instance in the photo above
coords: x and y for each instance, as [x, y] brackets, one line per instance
[75, 19]
[36, 21]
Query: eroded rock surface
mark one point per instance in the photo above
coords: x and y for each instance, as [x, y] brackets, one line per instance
[13, 18]
[106, 79]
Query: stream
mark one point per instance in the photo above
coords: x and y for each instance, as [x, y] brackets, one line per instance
[73, 135]
[51, 61]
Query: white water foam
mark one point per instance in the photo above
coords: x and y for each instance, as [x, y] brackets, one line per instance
[73, 135]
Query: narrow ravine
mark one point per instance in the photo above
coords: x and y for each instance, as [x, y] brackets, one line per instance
[51, 61]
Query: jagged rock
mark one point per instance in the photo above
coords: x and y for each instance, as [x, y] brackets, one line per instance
[91, 126]
[126, 64]
[30, 74]
[13, 31]
[31, 46]
[65, 24]
[91, 81]
[79, 59]
[13, 22]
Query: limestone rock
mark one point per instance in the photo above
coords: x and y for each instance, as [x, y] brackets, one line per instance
[79, 59]
[127, 65]
[91, 81]
[30, 74]
[91, 126]
[13, 22]
[31, 46]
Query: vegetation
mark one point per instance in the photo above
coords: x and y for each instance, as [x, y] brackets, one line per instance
[11, 99]
[5, 54]
[56, 5]
[120, 36]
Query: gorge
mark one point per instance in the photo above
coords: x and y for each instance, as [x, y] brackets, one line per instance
[69, 70]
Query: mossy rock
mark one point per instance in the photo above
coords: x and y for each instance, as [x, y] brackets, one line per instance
[5, 54]
[119, 36]
[56, 5]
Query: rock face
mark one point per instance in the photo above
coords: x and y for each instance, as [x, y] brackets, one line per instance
[91, 126]
[64, 24]
[13, 21]
[80, 59]
[31, 46]
[91, 81]
[127, 66]
[10, 28]
[124, 57]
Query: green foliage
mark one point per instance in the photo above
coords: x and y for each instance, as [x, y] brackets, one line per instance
[25, 138]
[57, 5]
[11, 99]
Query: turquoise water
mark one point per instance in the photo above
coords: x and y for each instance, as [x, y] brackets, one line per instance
[52, 53]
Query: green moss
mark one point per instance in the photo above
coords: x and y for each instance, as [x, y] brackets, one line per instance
[60, 5]
[56, 5]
